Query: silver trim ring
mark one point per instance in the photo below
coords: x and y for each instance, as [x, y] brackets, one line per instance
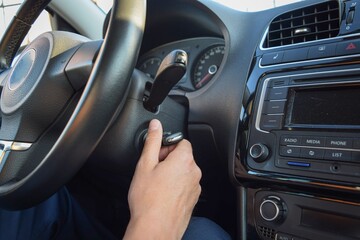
[276, 214]
[260, 154]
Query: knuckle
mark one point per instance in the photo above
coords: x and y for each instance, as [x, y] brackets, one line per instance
[188, 159]
[186, 144]
[198, 173]
[199, 189]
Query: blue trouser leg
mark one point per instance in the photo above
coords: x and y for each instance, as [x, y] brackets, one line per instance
[204, 229]
[60, 217]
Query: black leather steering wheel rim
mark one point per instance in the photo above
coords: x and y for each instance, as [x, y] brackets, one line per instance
[101, 102]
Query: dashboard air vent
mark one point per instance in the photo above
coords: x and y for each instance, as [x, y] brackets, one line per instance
[316, 22]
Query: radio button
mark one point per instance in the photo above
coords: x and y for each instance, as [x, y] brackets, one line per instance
[271, 107]
[289, 151]
[337, 155]
[279, 82]
[259, 152]
[270, 122]
[277, 93]
[313, 141]
[290, 140]
[334, 142]
[313, 153]
[356, 143]
[355, 156]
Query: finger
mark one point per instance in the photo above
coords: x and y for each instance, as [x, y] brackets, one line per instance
[164, 152]
[184, 146]
[152, 146]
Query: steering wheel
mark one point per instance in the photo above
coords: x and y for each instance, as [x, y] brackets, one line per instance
[51, 119]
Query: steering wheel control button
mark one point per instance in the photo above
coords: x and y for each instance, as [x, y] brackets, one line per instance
[271, 107]
[270, 122]
[289, 151]
[272, 58]
[313, 153]
[313, 141]
[259, 152]
[277, 93]
[272, 209]
[290, 140]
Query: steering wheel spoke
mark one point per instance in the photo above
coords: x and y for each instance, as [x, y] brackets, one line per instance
[81, 63]
[7, 146]
[9, 171]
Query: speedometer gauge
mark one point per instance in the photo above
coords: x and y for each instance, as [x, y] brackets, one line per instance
[150, 66]
[207, 66]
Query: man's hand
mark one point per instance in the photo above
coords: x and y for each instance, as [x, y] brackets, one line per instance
[164, 189]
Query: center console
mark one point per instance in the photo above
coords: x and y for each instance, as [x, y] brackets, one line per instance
[308, 125]
[299, 159]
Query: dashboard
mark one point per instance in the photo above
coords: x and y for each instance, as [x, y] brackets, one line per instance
[289, 139]
[299, 157]
[272, 101]
[273, 106]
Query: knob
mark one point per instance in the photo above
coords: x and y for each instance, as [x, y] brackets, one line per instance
[259, 152]
[272, 209]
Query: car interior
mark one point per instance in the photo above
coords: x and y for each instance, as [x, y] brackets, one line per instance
[269, 99]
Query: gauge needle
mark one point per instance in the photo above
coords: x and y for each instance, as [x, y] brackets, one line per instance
[207, 77]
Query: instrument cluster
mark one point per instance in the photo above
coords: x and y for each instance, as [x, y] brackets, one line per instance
[205, 56]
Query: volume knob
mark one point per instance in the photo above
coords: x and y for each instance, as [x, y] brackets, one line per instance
[272, 209]
[259, 152]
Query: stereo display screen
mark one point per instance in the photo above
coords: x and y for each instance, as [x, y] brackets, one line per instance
[325, 106]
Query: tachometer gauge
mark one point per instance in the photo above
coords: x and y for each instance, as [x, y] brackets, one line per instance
[150, 66]
[207, 66]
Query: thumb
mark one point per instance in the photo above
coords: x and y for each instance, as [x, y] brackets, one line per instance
[152, 146]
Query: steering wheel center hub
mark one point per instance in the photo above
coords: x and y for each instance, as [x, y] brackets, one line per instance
[22, 69]
[25, 75]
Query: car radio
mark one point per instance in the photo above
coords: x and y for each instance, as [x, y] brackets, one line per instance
[309, 125]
